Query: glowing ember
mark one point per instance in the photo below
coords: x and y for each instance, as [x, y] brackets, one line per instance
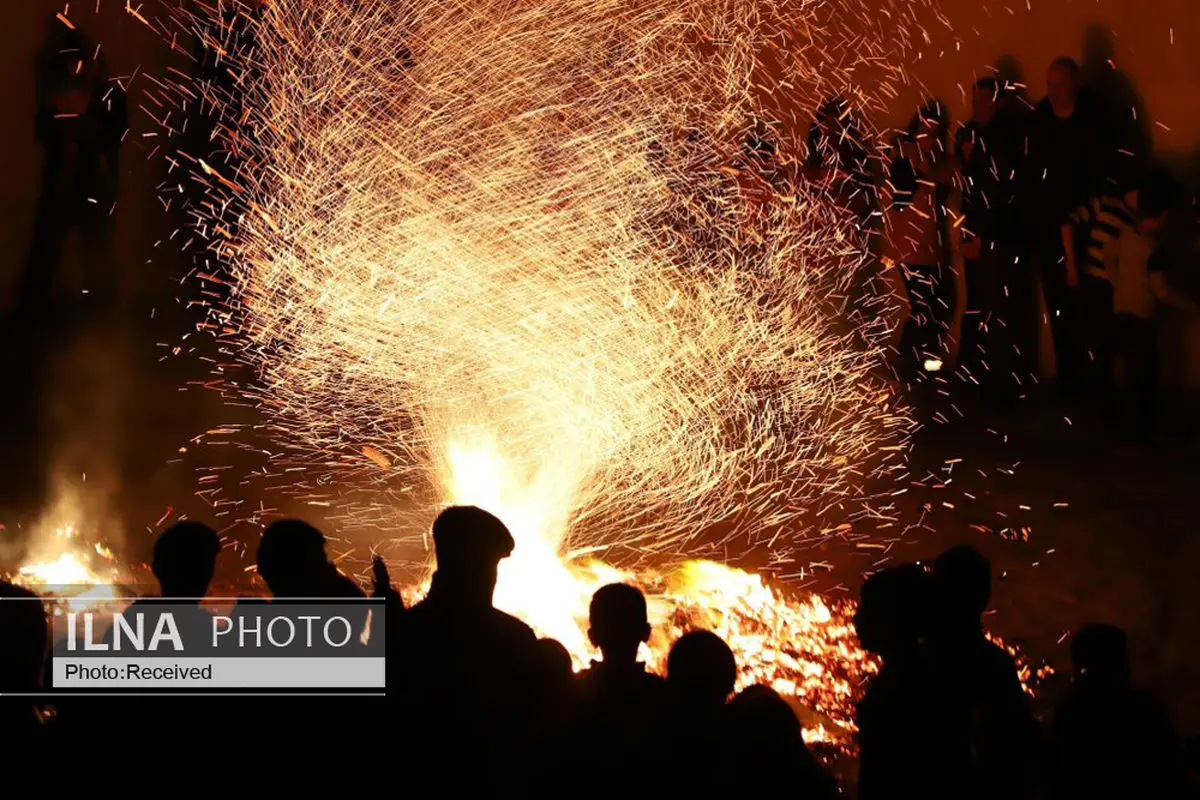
[805, 649]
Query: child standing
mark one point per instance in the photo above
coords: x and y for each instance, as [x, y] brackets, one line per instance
[1139, 287]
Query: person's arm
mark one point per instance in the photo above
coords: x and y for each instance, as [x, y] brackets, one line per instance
[1076, 219]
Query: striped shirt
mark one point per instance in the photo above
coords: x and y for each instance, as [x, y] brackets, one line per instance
[1105, 218]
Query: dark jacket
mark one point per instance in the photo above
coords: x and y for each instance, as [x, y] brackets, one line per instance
[1063, 167]
[989, 189]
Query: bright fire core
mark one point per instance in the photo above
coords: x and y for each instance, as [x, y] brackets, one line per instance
[803, 649]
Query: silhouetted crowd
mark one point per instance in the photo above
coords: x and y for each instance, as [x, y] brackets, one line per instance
[1057, 215]
[476, 701]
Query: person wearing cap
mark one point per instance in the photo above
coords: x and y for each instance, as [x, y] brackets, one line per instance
[463, 669]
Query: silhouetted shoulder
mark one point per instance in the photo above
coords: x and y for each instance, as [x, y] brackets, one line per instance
[341, 586]
[998, 666]
[510, 627]
[598, 681]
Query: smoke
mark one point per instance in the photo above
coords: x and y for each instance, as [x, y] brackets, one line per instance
[80, 439]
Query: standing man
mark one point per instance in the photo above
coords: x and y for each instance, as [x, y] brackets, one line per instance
[1063, 168]
[464, 670]
[992, 354]
[81, 122]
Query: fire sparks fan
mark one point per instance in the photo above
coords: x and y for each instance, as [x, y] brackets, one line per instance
[505, 254]
[493, 249]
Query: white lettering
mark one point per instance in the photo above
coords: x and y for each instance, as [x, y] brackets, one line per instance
[71, 631]
[345, 622]
[137, 638]
[88, 644]
[308, 621]
[256, 630]
[171, 633]
[216, 632]
[291, 631]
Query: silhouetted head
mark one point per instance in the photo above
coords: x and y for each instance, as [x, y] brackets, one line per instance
[618, 622]
[759, 712]
[893, 612]
[292, 559]
[1062, 85]
[469, 544]
[1098, 47]
[985, 99]
[1100, 658]
[184, 559]
[928, 127]
[68, 60]
[963, 582]
[701, 669]
[552, 662]
[23, 636]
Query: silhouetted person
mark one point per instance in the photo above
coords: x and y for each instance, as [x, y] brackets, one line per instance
[553, 665]
[914, 238]
[466, 668]
[767, 743]
[762, 179]
[1141, 292]
[184, 560]
[292, 560]
[185, 556]
[1125, 124]
[81, 122]
[838, 159]
[994, 734]
[999, 291]
[902, 723]
[1110, 740]
[554, 704]
[620, 704]
[1063, 168]
[701, 674]
[1115, 244]
[618, 624]
[23, 637]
